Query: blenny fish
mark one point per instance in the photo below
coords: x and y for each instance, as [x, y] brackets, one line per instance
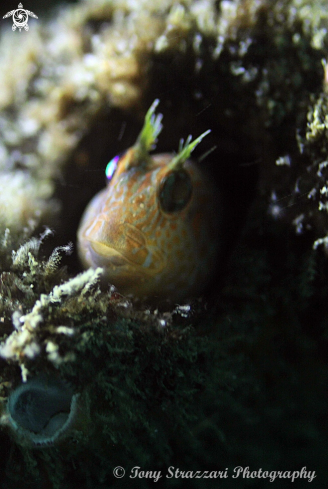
[155, 228]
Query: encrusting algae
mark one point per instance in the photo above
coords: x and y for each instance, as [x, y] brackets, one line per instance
[122, 383]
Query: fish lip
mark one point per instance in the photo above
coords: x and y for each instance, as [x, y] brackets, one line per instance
[109, 254]
[110, 258]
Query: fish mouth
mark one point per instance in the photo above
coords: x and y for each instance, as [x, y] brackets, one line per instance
[126, 251]
[107, 255]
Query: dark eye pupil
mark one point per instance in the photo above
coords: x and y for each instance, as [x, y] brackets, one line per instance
[176, 191]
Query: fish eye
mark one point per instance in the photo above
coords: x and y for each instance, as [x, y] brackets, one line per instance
[175, 192]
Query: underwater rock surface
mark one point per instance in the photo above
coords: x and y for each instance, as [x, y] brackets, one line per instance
[241, 368]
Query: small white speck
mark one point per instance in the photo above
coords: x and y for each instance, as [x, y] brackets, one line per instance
[51, 347]
[65, 330]
[283, 160]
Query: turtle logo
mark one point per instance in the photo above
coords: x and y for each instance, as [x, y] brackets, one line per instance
[20, 17]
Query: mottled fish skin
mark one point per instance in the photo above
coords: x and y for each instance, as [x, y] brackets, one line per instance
[148, 253]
